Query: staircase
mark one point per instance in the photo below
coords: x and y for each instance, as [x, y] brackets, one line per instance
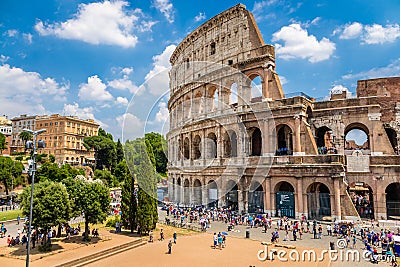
[103, 254]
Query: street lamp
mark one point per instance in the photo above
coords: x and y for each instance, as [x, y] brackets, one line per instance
[32, 170]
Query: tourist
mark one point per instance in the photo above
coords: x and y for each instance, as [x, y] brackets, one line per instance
[170, 246]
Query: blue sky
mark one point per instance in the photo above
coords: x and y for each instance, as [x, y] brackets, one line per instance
[89, 58]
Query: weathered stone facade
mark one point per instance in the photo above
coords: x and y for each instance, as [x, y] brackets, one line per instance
[229, 146]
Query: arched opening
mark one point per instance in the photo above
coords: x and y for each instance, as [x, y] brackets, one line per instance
[212, 194]
[231, 196]
[356, 138]
[186, 192]
[285, 140]
[256, 89]
[256, 142]
[197, 198]
[325, 141]
[211, 146]
[285, 203]
[186, 150]
[362, 196]
[319, 201]
[196, 147]
[256, 198]
[234, 94]
[392, 135]
[393, 201]
[230, 144]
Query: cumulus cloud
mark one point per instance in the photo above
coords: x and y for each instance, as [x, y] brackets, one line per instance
[378, 34]
[132, 126]
[393, 69]
[94, 90]
[166, 8]
[201, 16]
[17, 82]
[299, 44]
[96, 23]
[122, 101]
[157, 78]
[351, 31]
[369, 34]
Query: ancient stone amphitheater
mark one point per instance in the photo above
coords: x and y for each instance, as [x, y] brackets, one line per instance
[236, 140]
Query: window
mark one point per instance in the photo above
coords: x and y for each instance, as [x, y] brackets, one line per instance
[212, 49]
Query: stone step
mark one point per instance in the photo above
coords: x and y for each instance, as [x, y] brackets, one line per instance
[103, 254]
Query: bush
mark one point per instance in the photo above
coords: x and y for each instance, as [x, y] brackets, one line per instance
[111, 221]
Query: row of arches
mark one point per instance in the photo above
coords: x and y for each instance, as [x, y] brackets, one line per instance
[318, 198]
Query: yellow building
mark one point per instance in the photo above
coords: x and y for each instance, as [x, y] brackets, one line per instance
[64, 137]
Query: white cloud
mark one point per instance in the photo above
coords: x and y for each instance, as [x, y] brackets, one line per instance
[162, 114]
[94, 90]
[201, 16]
[157, 78]
[299, 44]
[351, 31]
[132, 126]
[393, 69]
[96, 23]
[17, 82]
[27, 37]
[377, 34]
[166, 8]
[122, 101]
[12, 33]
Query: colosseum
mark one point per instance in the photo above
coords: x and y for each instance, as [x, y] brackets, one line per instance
[261, 151]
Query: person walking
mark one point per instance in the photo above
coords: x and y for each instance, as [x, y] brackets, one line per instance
[170, 246]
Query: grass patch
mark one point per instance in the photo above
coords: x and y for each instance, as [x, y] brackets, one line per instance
[10, 215]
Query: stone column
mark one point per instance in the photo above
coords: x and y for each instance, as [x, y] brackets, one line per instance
[267, 195]
[299, 196]
[297, 139]
[336, 188]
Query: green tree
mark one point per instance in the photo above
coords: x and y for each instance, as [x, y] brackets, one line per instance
[106, 177]
[157, 143]
[139, 162]
[51, 204]
[120, 151]
[10, 172]
[94, 202]
[3, 142]
[104, 148]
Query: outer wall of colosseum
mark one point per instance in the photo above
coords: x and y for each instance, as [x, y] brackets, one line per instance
[231, 145]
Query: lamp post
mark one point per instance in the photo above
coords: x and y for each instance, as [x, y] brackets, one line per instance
[32, 145]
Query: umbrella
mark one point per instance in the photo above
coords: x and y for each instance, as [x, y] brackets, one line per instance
[224, 233]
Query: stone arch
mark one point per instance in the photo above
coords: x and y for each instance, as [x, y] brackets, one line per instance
[318, 200]
[255, 141]
[324, 139]
[358, 131]
[284, 136]
[211, 145]
[186, 148]
[256, 197]
[197, 190]
[212, 190]
[231, 196]
[393, 200]
[285, 201]
[362, 196]
[230, 144]
[256, 87]
[186, 191]
[197, 147]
